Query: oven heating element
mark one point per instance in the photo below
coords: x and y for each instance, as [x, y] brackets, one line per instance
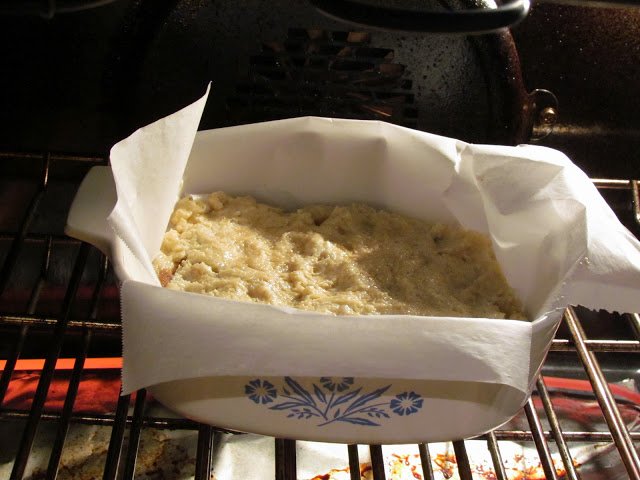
[67, 312]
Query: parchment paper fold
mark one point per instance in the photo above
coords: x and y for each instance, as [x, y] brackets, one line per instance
[557, 240]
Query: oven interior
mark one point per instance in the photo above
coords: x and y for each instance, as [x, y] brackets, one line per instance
[76, 83]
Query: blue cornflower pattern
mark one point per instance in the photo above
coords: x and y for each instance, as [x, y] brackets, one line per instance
[339, 384]
[332, 399]
[406, 403]
[260, 391]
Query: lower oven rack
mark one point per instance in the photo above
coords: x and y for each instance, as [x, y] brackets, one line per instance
[54, 303]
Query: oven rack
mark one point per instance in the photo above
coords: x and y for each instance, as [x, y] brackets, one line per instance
[122, 453]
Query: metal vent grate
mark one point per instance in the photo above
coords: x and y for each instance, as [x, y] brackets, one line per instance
[59, 311]
[324, 73]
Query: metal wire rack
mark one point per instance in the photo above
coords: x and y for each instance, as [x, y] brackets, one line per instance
[77, 316]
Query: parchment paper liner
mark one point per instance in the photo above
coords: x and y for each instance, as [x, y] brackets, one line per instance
[556, 238]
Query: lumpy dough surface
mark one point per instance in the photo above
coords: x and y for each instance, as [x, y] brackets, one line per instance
[351, 260]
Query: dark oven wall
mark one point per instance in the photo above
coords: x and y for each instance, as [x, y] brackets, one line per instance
[79, 82]
[85, 80]
[589, 56]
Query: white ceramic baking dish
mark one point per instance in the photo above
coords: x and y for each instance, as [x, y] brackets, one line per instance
[302, 375]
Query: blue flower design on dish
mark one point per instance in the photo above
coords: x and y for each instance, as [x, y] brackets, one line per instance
[332, 399]
[406, 403]
[260, 391]
[339, 384]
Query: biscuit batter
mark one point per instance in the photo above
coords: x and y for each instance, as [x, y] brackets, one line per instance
[352, 260]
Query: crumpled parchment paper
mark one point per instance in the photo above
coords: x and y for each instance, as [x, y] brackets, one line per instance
[556, 238]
